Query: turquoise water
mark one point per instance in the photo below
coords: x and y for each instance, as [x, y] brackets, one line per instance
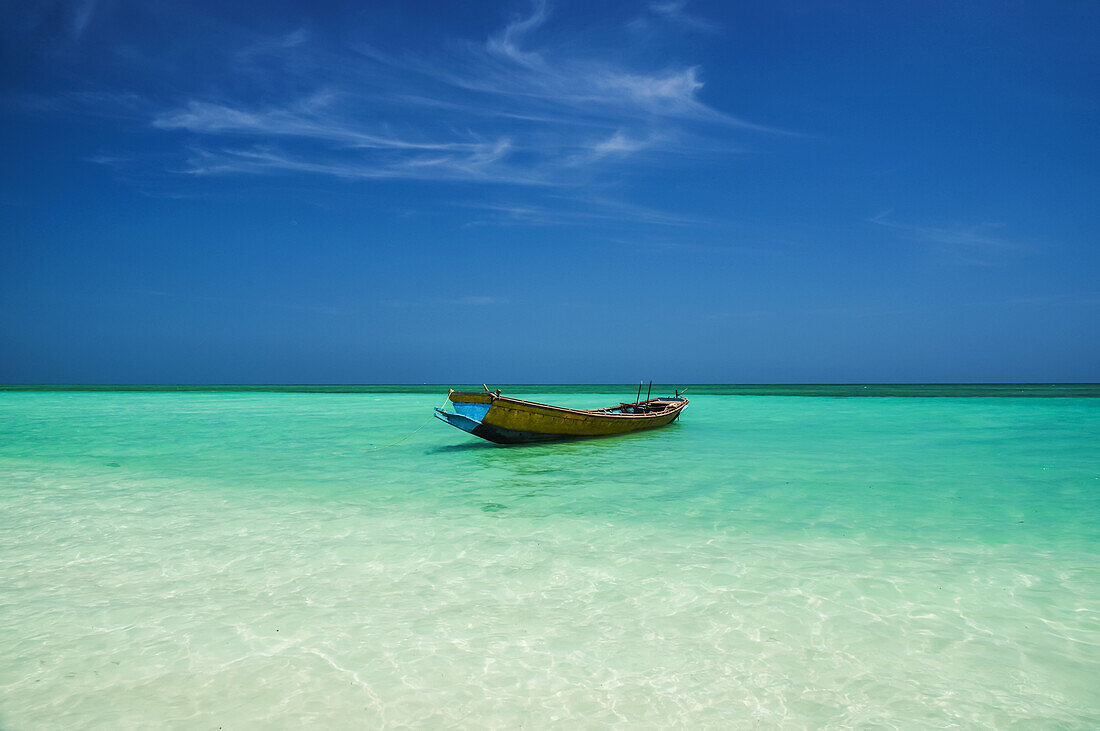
[242, 559]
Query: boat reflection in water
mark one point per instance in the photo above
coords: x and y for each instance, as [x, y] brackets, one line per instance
[507, 420]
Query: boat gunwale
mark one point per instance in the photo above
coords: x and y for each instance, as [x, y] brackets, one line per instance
[601, 412]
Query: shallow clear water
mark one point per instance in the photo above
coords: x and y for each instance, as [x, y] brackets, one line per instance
[242, 559]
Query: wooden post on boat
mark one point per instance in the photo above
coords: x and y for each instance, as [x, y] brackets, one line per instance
[649, 391]
[638, 398]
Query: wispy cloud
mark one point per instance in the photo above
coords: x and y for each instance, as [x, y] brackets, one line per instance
[529, 103]
[81, 17]
[509, 68]
[675, 11]
[507, 43]
[561, 210]
[372, 155]
[308, 118]
[619, 143]
[465, 301]
[504, 109]
[974, 243]
[478, 164]
[266, 47]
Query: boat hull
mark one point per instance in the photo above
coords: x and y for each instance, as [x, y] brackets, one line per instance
[513, 421]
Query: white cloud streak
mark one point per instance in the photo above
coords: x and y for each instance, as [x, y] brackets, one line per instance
[573, 211]
[467, 301]
[82, 16]
[508, 111]
[591, 88]
[306, 120]
[675, 12]
[532, 103]
[978, 237]
[477, 165]
[272, 46]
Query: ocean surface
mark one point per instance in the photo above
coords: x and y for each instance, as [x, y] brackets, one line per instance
[788, 557]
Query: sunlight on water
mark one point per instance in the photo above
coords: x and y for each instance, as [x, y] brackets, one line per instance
[241, 559]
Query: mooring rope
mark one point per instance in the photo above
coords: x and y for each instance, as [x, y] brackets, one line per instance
[414, 431]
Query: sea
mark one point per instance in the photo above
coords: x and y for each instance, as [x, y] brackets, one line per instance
[332, 557]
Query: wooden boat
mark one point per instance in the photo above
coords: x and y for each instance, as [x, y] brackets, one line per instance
[507, 420]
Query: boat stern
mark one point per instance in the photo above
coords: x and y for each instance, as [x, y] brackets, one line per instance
[469, 412]
[459, 421]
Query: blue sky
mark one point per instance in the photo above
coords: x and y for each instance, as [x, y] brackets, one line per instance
[549, 192]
